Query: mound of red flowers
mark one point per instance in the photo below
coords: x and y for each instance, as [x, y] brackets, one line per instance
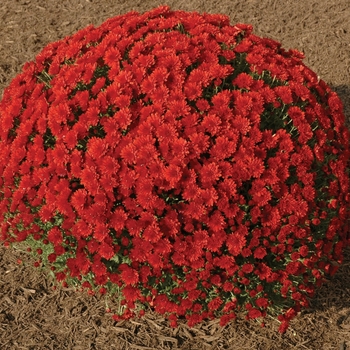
[182, 161]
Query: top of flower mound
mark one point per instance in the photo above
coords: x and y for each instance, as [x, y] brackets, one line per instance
[190, 164]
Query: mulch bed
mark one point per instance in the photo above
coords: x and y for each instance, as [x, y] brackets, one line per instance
[34, 315]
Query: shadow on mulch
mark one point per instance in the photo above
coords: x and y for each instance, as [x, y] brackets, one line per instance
[343, 92]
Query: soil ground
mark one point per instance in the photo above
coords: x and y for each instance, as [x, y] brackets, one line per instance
[34, 316]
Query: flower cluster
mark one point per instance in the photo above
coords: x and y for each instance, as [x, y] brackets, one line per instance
[196, 167]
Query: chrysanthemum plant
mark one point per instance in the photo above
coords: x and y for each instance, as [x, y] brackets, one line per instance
[180, 161]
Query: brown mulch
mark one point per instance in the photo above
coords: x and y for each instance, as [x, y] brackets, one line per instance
[34, 316]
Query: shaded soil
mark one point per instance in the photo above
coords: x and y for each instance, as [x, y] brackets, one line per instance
[35, 316]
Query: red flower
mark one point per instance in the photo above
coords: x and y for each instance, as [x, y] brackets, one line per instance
[55, 236]
[128, 275]
[112, 56]
[263, 271]
[89, 180]
[227, 287]
[262, 302]
[96, 147]
[131, 293]
[106, 250]
[200, 238]
[241, 124]
[255, 166]
[223, 148]
[97, 267]
[260, 253]
[216, 240]
[216, 221]
[254, 313]
[82, 263]
[214, 304]
[284, 93]
[261, 195]
[292, 268]
[243, 104]
[52, 258]
[172, 174]
[243, 81]
[235, 243]
[283, 327]
[118, 219]
[211, 123]
[191, 191]
[152, 233]
[60, 276]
